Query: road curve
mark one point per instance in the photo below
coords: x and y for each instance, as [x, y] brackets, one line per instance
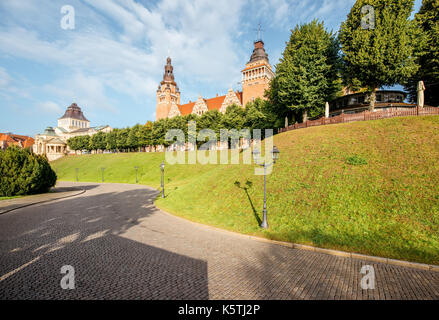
[122, 247]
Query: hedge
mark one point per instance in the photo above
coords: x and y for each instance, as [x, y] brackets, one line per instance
[23, 172]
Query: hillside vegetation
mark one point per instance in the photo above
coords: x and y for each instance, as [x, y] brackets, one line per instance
[368, 187]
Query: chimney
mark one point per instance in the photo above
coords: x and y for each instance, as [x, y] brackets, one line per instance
[217, 94]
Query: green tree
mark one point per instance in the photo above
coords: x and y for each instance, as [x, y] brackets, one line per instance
[427, 53]
[122, 139]
[258, 115]
[98, 141]
[145, 134]
[159, 132]
[211, 120]
[177, 123]
[73, 143]
[308, 73]
[191, 135]
[84, 143]
[380, 53]
[133, 137]
[234, 118]
[111, 140]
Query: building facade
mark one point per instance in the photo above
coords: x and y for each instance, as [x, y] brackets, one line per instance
[256, 75]
[53, 141]
[9, 139]
[256, 78]
[359, 102]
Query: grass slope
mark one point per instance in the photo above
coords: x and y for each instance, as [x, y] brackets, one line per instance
[368, 187]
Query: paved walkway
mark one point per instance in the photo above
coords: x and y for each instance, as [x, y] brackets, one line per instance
[58, 192]
[122, 247]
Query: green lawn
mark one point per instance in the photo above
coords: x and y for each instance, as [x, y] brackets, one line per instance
[368, 187]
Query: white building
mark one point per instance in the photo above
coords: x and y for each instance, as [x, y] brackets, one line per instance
[53, 141]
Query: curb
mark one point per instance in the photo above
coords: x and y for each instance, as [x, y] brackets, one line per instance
[81, 191]
[338, 253]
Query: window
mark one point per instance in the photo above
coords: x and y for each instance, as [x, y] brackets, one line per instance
[379, 98]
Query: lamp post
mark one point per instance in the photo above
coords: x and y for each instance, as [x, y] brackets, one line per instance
[102, 170]
[77, 169]
[162, 184]
[257, 158]
[136, 172]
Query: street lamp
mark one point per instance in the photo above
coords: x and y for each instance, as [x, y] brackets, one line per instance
[162, 184]
[102, 169]
[136, 172]
[77, 169]
[257, 158]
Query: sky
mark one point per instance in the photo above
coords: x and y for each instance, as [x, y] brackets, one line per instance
[112, 61]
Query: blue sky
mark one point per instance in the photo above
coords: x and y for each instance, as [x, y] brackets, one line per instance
[112, 62]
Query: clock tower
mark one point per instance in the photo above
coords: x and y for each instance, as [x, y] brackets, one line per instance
[168, 93]
[257, 74]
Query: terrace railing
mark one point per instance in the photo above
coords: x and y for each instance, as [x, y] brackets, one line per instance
[364, 116]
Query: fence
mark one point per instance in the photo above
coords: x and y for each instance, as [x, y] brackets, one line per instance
[364, 116]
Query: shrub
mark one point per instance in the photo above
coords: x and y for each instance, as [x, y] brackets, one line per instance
[22, 173]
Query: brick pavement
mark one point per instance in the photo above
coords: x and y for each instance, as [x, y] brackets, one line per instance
[58, 192]
[122, 247]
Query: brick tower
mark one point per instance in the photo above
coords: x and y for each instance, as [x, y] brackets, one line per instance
[168, 93]
[256, 75]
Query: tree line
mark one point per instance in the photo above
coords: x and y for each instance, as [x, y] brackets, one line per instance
[256, 115]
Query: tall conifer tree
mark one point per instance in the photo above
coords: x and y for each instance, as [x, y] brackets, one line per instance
[307, 75]
[376, 41]
[427, 45]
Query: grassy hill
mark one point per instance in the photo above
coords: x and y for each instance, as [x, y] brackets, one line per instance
[368, 187]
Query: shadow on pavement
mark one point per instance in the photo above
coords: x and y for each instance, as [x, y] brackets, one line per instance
[87, 233]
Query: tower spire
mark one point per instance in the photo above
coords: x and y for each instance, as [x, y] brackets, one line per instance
[168, 76]
[259, 30]
[168, 94]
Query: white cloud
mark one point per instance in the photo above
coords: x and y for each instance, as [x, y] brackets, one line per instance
[280, 13]
[5, 78]
[49, 107]
[126, 53]
[87, 91]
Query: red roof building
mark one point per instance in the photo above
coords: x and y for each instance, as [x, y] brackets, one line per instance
[8, 139]
[255, 80]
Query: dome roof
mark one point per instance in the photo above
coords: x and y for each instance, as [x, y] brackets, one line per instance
[74, 112]
[49, 132]
[259, 52]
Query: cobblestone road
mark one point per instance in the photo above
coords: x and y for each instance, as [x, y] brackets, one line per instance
[122, 247]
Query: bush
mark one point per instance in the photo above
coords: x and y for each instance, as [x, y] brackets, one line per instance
[22, 173]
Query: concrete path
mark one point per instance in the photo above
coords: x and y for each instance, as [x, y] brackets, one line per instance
[122, 247]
